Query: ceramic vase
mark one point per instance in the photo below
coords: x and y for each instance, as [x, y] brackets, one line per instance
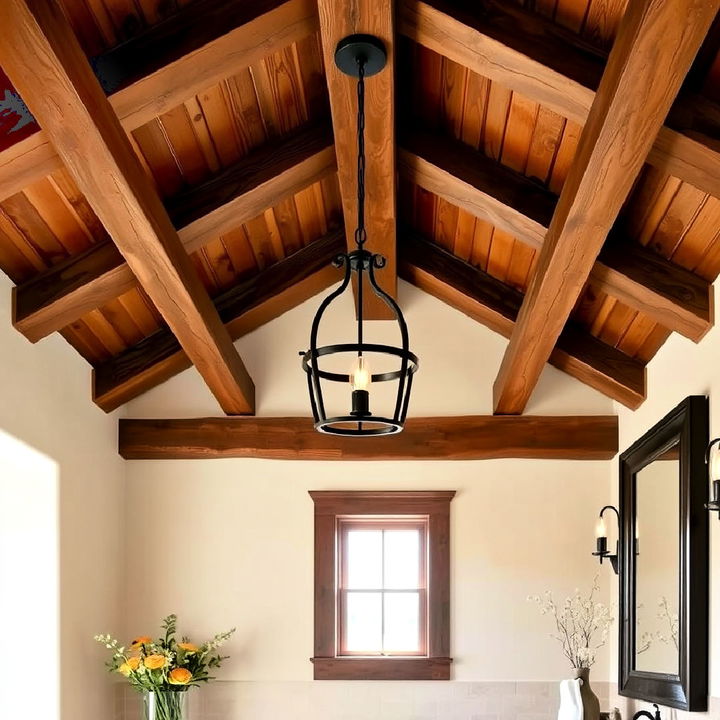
[591, 704]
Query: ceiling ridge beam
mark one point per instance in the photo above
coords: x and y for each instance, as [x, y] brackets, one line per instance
[68, 102]
[655, 39]
[496, 305]
[170, 63]
[242, 308]
[673, 296]
[469, 437]
[65, 292]
[528, 53]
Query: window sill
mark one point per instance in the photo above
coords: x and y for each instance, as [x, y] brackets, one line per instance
[381, 668]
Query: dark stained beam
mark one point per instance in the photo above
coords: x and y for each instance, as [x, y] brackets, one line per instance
[337, 21]
[473, 437]
[45, 62]
[243, 308]
[552, 66]
[65, 292]
[674, 297]
[654, 40]
[496, 305]
[200, 45]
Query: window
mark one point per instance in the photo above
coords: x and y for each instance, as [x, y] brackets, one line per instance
[382, 586]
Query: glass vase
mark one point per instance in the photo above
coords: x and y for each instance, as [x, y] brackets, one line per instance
[165, 704]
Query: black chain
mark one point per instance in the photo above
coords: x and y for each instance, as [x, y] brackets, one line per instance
[360, 232]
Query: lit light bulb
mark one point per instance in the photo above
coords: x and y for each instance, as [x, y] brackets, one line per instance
[360, 377]
[600, 528]
[715, 463]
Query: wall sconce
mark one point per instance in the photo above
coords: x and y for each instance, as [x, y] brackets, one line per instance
[601, 537]
[712, 458]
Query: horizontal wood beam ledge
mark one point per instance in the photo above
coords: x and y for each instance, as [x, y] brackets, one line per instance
[66, 291]
[170, 63]
[474, 437]
[496, 305]
[45, 62]
[554, 67]
[673, 296]
[655, 39]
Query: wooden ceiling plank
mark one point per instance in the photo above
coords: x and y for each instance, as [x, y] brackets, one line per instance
[167, 65]
[641, 278]
[655, 39]
[337, 21]
[554, 67]
[496, 305]
[65, 292]
[243, 308]
[47, 65]
[473, 437]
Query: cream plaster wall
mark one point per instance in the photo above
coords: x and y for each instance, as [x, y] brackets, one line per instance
[229, 542]
[45, 391]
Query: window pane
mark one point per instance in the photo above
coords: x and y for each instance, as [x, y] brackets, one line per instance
[364, 559]
[402, 559]
[363, 622]
[402, 622]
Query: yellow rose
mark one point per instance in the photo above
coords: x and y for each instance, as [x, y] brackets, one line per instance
[125, 670]
[140, 641]
[180, 676]
[133, 663]
[188, 647]
[154, 662]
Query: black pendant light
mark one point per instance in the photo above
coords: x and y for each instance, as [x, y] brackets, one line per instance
[360, 56]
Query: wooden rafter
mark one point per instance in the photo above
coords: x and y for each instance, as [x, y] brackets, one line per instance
[496, 305]
[338, 20]
[194, 48]
[474, 437]
[527, 53]
[243, 308]
[674, 297]
[65, 292]
[46, 64]
[655, 39]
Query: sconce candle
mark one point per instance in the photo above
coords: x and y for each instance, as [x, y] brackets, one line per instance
[601, 536]
[712, 458]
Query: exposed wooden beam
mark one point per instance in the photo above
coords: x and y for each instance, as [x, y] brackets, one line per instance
[65, 292]
[532, 55]
[200, 45]
[674, 297]
[243, 308]
[337, 21]
[46, 64]
[472, 437]
[496, 305]
[655, 39]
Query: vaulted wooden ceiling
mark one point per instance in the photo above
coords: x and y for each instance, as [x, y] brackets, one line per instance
[228, 137]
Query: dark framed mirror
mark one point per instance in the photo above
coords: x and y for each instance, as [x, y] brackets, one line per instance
[664, 561]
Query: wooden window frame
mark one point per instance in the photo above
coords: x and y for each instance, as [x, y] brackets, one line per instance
[334, 507]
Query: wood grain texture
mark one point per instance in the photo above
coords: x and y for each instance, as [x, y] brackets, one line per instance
[172, 62]
[433, 438]
[655, 39]
[337, 21]
[243, 308]
[389, 668]
[532, 55]
[43, 58]
[65, 292]
[496, 305]
[672, 296]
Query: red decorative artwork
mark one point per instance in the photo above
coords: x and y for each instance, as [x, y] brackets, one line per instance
[16, 121]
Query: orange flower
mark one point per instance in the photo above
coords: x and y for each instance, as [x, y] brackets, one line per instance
[140, 641]
[124, 669]
[188, 647]
[180, 676]
[154, 662]
[133, 663]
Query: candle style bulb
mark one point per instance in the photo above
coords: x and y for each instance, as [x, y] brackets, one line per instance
[360, 376]
[714, 464]
[600, 528]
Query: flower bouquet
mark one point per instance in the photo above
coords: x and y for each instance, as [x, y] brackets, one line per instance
[164, 669]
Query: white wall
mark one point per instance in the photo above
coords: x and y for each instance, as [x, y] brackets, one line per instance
[46, 406]
[230, 542]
